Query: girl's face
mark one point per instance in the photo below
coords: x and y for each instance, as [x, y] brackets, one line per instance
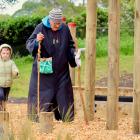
[5, 53]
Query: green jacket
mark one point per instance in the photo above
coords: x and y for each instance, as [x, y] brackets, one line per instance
[8, 71]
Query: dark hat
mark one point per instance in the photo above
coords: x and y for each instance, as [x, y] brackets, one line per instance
[55, 15]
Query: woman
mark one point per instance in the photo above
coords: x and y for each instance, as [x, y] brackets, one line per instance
[56, 87]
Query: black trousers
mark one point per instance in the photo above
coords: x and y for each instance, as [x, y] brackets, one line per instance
[4, 93]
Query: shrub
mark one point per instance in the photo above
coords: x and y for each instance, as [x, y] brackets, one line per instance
[16, 30]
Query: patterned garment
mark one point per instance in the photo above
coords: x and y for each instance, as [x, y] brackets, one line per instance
[46, 66]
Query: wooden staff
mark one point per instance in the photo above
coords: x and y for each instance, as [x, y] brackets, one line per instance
[81, 95]
[4, 105]
[38, 78]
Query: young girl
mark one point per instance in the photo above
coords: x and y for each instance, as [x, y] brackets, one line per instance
[8, 71]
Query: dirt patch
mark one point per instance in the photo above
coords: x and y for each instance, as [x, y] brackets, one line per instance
[77, 130]
[125, 80]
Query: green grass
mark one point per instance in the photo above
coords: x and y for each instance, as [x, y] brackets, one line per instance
[20, 86]
[125, 65]
[126, 45]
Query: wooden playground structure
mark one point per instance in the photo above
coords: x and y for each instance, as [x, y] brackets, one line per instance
[113, 64]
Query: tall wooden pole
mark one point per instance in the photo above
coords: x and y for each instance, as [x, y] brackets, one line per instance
[73, 33]
[136, 95]
[113, 64]
[38, 79]
[90, 55]
[72, 27]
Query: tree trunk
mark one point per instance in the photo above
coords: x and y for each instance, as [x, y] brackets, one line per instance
[113, 64]
[136, 95]
[90, 56]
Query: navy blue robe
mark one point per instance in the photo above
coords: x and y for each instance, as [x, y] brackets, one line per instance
[55, 89]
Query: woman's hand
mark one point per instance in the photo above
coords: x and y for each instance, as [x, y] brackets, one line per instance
[39, 37]
[77, 58]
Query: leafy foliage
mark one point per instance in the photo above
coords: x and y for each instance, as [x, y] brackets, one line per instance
[43, 7]
[15, 31]
[4, 2]
[127, 16]
[102, 20]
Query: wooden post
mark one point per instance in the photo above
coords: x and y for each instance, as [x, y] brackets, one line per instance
[113, 64]
[81, 96]
[46, 122]
[90, 56]
[4, 122]
[72, 27]
[73, 32]
[4, 116]
[136, 95]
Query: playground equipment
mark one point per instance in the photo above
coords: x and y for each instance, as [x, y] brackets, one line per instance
[136, 93]
[90, 55]
[113, 63]
[4, 119]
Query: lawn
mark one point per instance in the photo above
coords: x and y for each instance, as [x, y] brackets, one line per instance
[21, 85]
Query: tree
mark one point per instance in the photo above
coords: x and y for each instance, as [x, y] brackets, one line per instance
[90, 56]
[3, 3]
[43, 7]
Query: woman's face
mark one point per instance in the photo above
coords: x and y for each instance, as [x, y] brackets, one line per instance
[55, 25]
[5, 53]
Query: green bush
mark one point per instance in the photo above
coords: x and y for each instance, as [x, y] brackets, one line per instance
[126, 45]
[102, 19]
[16, 30]
[101, 46]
